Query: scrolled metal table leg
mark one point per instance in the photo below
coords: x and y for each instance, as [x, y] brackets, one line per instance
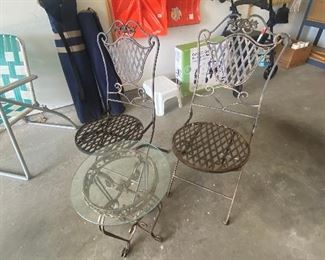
[127, 248]
[144, 226]
[153, 235]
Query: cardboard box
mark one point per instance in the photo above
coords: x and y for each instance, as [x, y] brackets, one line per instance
[292, 58]
[316, 12]
[186, 58]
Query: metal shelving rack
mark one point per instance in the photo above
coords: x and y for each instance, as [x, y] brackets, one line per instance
[311, 23]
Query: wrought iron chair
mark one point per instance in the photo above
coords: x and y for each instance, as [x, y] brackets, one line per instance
[112, 139]
[17, 96]
[211, 146]
[129, 58]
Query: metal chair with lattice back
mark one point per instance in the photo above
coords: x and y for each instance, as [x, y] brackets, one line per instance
[214, 147]
[17, 97]
[129, 57]
[132, 195]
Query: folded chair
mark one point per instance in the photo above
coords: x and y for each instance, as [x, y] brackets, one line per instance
[211, 146]
[17, 96]
[130, 58]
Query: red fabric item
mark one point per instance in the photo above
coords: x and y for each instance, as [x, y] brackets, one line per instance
[183, 12]
[150, 14]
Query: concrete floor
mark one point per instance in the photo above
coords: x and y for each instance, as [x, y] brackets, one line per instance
[279, 213]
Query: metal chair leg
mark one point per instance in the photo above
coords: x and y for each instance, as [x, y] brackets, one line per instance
[43, 109]
[21, 159]
[72, 125]
[231, 198]
[172, 178]
[226, 222]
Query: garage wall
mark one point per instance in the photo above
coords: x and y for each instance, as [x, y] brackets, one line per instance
[29, 21]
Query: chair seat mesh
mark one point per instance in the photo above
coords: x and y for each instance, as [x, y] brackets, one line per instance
[101, 133]
[210, 147]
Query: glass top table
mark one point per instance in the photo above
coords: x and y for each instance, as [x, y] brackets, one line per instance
[121, 183]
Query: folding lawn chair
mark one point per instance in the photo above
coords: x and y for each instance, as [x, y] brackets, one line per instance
[17, 96]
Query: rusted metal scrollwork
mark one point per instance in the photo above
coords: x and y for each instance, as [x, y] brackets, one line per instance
[234, 60]
[124, 196]
[242, 25]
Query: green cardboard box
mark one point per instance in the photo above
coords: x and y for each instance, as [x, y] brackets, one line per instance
[186, 57]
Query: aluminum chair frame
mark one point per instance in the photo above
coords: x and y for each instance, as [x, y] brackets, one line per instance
[227, 78]
[25, 175]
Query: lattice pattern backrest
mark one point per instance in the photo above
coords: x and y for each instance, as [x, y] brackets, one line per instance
[129, 58]
[13, 67]
[232, 61]
[236, 58]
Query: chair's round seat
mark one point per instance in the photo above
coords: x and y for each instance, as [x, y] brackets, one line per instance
[107, 131]
[210, 147]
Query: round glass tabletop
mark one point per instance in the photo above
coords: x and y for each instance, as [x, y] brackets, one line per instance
[121, 183]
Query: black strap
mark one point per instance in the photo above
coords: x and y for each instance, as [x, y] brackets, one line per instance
[52, 11]
[73, 64]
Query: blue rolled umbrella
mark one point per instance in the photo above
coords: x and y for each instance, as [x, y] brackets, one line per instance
[74, 58]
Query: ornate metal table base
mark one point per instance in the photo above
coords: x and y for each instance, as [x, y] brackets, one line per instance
[142, 225]
[122, 186]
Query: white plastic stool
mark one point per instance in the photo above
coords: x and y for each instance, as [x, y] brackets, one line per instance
[165, 89]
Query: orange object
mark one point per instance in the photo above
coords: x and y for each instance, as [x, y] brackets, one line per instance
[150, 14]
[183, 12]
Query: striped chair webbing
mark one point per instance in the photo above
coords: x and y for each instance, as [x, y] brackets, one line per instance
[13, 67]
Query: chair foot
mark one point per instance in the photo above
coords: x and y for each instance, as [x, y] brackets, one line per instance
[227, 221]
[168, 194]
[125, 251]
[157, 237]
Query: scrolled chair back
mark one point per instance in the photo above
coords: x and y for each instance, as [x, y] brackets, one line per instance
[129, 56]
[234, 59]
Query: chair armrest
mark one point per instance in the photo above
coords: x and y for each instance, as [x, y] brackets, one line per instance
[17, 83]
